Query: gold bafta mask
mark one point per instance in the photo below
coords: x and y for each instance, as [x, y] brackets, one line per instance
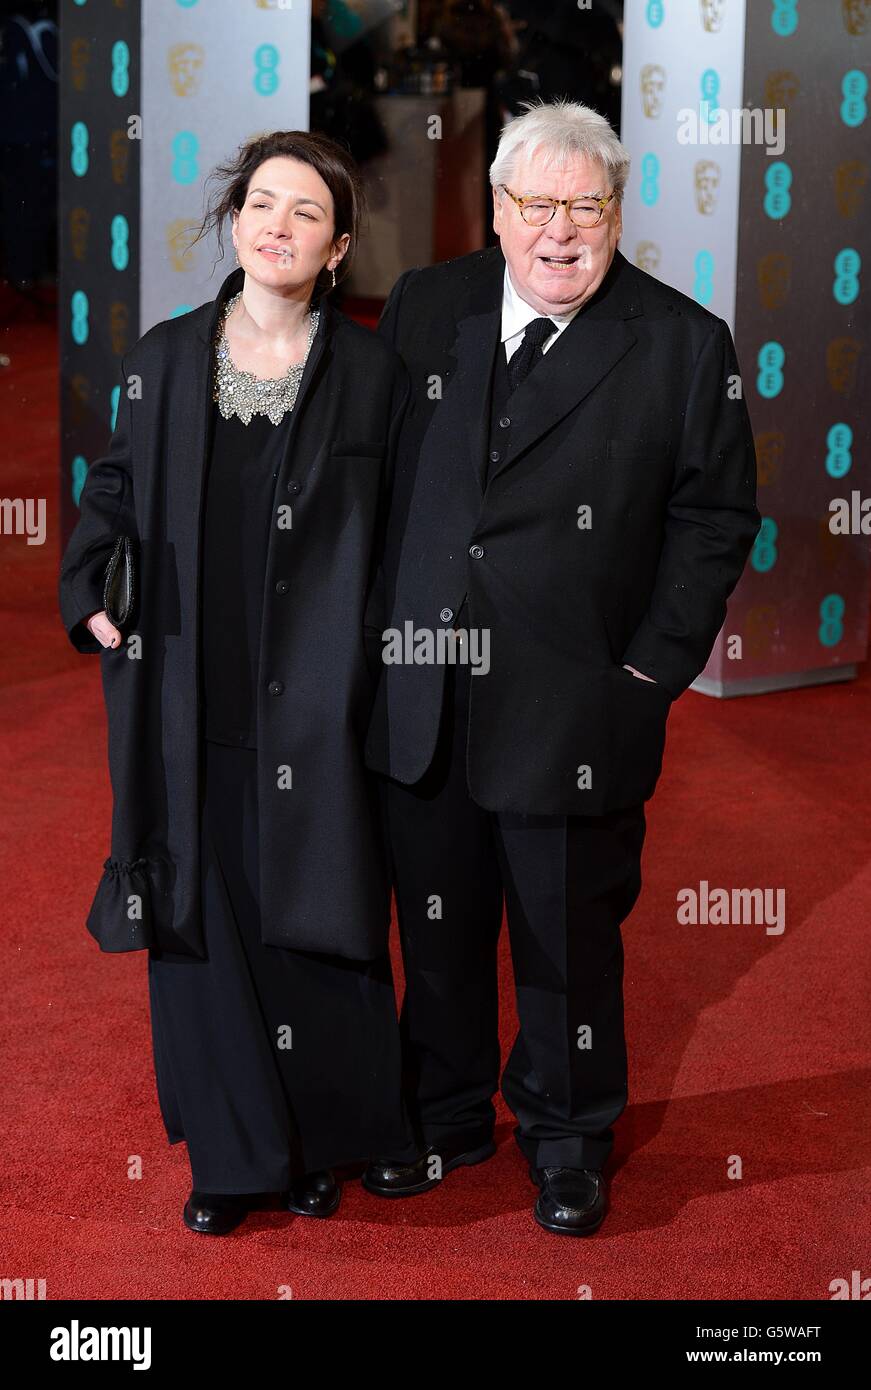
[648, 256]
[80, 57]
[712, 15]
[119, 155]
[80, 225]
[178, 239]
[185, 61]
[842, 359]
[850, 178]
[856, 15]
[769, 456]
[707, 181]
[652, 89]
[773, 275]
[781, 90]
[80, 391]
[831, 547]
[119, 321]
[760, 628]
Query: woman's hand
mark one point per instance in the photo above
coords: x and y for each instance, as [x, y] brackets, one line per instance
[103, 630]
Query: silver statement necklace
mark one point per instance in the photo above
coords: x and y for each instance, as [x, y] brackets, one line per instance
[244, 394]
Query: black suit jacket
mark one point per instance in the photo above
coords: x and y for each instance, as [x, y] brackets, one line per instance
[630, 413]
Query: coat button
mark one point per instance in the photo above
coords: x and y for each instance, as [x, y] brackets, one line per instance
[293, 487]
[476, 552]
[494, 455]
[282, 586]
[276, 687]
[446, 615]
[505, 422]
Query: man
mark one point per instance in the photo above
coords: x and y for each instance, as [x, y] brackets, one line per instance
[575, 482]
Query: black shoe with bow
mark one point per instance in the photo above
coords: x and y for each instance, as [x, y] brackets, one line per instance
[317, 1194]
[572, 1201]
[389, 1178]
[215, 1213]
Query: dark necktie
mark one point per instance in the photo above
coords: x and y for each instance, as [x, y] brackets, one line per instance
[529, 352]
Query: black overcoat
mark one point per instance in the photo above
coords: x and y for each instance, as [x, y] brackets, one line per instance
[637, 413]
[322, 874]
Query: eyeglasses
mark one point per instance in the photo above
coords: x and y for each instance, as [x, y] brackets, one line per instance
[537, 210]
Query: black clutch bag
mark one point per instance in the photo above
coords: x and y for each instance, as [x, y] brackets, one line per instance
[118, 588]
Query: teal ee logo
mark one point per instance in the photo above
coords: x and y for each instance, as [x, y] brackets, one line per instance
[185, 148]
[655, 13]
[80, 472]
[845, 287]
[120, 79]
[770, 360]
[839, 459]
[763, 556]
[778, 180]
[79, 149]
[831, 628]
[79, 317]
[266, 69]
[784, 17]
[710, 100]
[120, 253]
[854, 90]
[649, 180]
[703, 287]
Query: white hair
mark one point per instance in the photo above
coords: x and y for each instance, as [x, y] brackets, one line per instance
[565, 130]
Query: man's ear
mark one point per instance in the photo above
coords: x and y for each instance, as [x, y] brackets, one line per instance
[497, 211]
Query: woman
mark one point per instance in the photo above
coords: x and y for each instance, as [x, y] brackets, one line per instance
[249, 465]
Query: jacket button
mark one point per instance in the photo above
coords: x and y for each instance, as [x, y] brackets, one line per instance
[276, 687]
[446, 615]
[494, 455]
[505, 422]
[282, 586]
[293, 487]
[476, 552]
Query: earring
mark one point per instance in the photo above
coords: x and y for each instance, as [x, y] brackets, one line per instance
[237, 255]
[334, 280]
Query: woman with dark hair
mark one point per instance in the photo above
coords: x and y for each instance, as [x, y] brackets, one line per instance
[249, 469]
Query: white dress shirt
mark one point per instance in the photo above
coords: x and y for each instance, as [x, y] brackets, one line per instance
[517, 315]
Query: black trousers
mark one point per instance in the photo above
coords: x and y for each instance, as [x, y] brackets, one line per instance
[270, 1063]
[568, 882]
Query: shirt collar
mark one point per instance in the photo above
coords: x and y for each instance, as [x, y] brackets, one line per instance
[517, 315]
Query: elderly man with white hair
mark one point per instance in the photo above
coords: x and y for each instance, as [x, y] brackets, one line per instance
[575, 489]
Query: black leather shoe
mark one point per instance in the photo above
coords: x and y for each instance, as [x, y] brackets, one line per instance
[572, 1201]
[387, 1178]
[214, 1213]
[317, 1194]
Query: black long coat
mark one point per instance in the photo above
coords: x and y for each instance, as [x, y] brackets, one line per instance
[321, 866]
[633, 413]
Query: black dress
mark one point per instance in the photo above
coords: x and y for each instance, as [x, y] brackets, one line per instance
[270, 1063]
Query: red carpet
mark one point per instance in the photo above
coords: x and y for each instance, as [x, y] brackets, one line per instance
[740, 1043]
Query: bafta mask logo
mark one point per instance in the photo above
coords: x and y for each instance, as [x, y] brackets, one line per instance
[850, 179]
[80, 225]
[713, 13]
[119, 156]
[80, 57]
[769, 456]
[760, 629]
[648, 256]
[119, 323]
[781, 90]
[185, 61]
[80, 392]
[842, 361]
[178, 244]
[707, 182]
[856, 15]
[774, 276]
[652, 89]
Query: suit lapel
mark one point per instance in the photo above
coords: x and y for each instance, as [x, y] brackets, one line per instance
[582, 356]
